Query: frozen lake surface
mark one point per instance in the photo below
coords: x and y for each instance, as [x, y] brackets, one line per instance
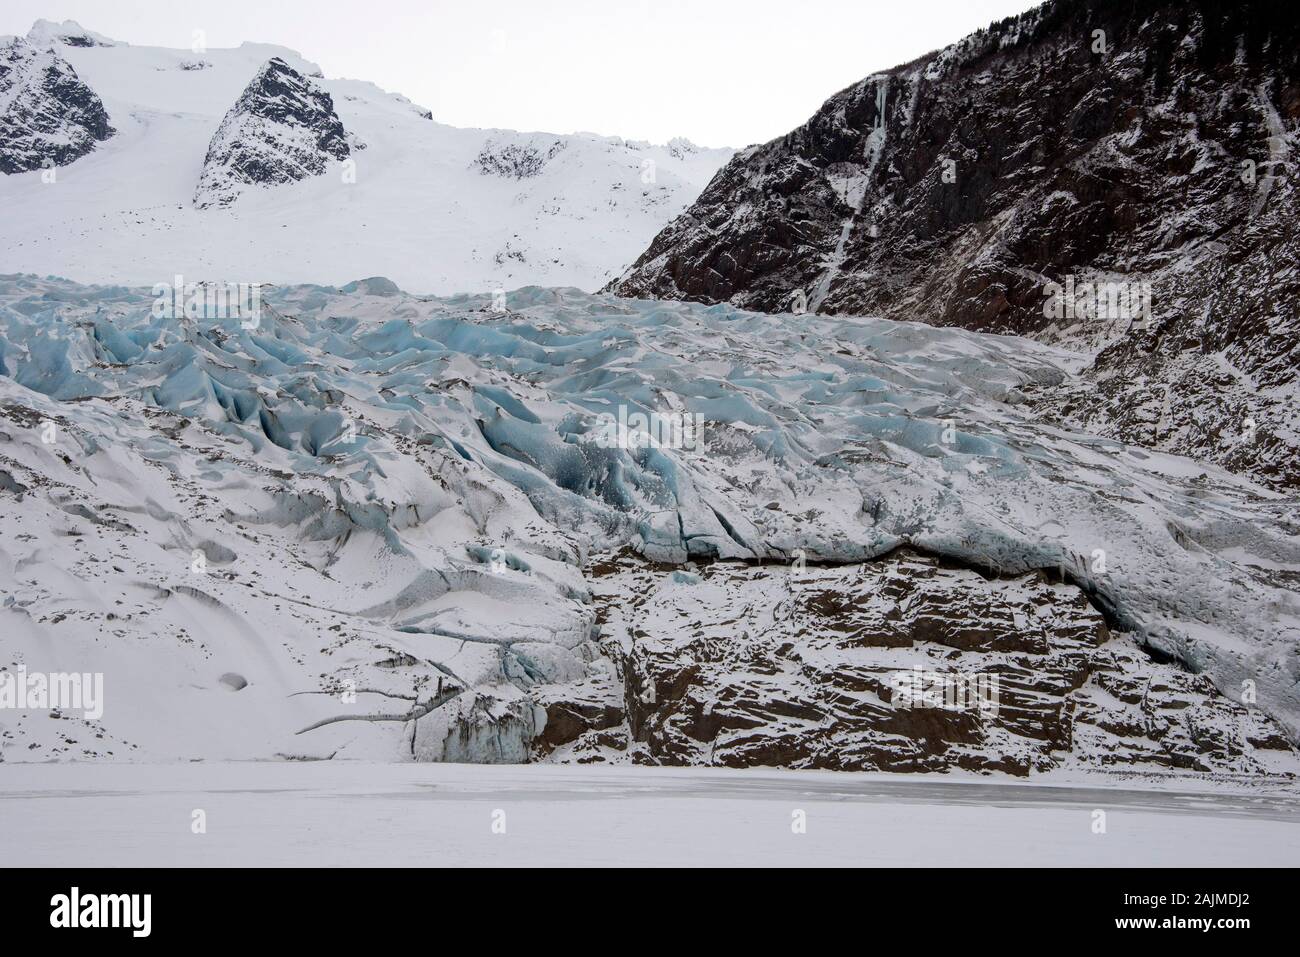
[368, 814]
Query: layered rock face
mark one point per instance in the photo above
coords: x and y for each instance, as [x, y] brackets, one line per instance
[1143, 149]
[906, 664]
[282, 129]
[48, 116]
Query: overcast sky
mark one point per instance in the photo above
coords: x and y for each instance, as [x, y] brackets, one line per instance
[721, 72]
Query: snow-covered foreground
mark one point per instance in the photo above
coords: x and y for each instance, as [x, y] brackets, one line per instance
[359, 814]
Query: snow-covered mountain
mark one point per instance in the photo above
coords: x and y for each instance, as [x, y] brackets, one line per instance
[358, 523]
[282, 129]
[1032, 178]
[48, 116]
[438, 209]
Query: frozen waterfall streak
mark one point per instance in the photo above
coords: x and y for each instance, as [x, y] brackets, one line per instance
[872, 151]
[1278, 150]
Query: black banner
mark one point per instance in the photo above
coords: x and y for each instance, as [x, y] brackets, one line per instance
[334, 907]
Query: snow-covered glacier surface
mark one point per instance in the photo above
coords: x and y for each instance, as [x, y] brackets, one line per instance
[366, 524]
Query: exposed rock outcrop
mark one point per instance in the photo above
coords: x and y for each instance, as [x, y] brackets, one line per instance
[282, 129]
[48, 115]
[905, 664]
[515, 160]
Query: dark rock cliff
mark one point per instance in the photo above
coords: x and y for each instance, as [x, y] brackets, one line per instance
[282, 129]
[48, 116]
[1141, 152]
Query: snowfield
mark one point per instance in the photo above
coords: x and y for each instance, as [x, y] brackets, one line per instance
[385, 815]
[373, 525]
[437, 208]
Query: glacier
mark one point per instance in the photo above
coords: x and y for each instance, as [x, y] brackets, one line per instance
[367, 526]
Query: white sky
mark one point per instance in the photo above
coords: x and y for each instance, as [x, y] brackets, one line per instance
[721, 72]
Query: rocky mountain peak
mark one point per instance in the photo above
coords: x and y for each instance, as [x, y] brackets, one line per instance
[681, 147]
[48, 116]
[282, 129]
[46, 34]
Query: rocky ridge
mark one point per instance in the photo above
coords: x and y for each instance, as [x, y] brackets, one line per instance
[1139, 152]
[282, 129]
[48, 116]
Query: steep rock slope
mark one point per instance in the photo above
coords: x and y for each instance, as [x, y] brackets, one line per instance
[48, 116]
[437, 208]
[1105, 141]
[282, 129]
[903, 664]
